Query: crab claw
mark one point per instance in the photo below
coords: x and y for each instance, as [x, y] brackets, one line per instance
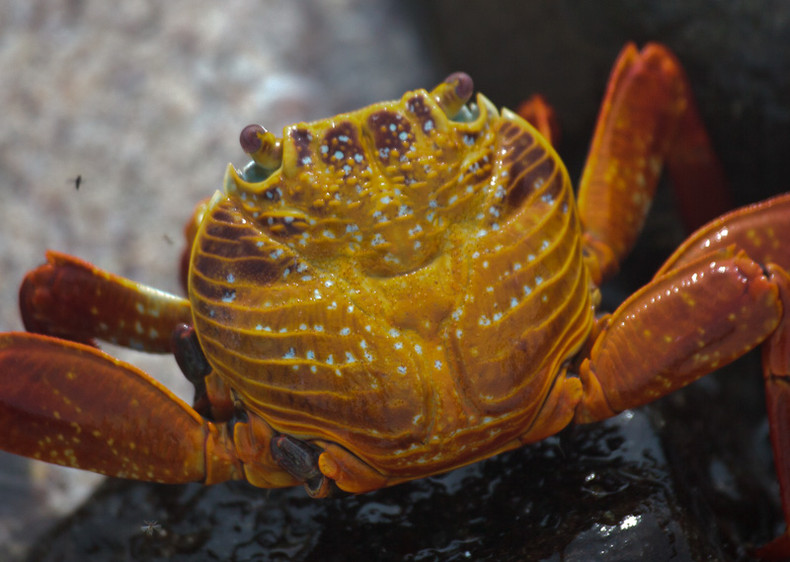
[70, 404]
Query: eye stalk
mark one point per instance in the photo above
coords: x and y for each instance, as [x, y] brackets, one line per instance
[263, 147]
[453, 93]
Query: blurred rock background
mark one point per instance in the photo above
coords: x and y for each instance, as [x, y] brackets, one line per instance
[144, 102]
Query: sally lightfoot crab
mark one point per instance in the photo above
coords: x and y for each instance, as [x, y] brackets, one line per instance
[402, 290]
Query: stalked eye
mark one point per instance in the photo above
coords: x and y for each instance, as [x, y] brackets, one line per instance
[262, 146]
[453, 93]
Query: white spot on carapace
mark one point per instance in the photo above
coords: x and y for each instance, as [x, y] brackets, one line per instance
[345, 331]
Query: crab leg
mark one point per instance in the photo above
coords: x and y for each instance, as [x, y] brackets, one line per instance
[725, 291]
[676, 329]
[71, 404]
[648, 116]
[761, 230]
[541, 116]
[70, 298]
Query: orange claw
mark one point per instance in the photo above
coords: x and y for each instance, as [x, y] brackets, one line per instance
[74, 405]
[71, 404]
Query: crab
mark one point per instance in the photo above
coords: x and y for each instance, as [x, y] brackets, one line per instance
[402, 290]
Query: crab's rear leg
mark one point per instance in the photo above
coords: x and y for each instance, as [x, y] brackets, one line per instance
[648, 118]
[71, 404]
[723, 292]
[541, 116]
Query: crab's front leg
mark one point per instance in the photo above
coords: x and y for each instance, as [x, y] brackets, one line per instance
[68, 403]
[724, 292]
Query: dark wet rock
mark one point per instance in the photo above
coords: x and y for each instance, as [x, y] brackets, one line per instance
[639, 486]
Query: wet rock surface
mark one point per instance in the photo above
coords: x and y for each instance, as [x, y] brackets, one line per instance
[639, 486]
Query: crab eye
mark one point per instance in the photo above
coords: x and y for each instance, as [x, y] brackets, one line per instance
[262, 146]
[453, 93]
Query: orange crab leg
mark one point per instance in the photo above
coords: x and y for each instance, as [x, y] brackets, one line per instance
[541, 116]
[676, 329]
[761, 230]
[710, 303]
[776, 371]
[648, 117]
[70, 298]
[71, 404]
